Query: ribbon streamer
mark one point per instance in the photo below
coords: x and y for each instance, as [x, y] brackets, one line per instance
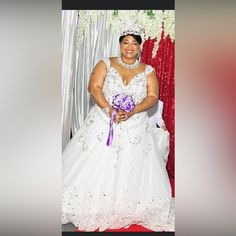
[110, 135]
[120, 102]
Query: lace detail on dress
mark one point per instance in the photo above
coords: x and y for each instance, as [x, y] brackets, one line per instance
[149, 69]
[80, 207]
[106, 60]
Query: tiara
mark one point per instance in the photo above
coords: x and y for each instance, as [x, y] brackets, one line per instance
[131, 29]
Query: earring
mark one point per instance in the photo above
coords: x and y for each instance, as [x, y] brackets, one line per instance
[139, 55]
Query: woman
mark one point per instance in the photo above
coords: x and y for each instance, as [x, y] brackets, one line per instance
[110, 185]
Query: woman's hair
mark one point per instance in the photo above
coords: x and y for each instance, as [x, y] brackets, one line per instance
[136, 37]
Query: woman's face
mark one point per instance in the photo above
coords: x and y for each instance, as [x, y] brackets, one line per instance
[129, 47]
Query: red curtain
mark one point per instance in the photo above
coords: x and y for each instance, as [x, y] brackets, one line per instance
[164, 64]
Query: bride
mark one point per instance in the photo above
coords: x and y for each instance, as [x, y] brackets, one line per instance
[113, 171]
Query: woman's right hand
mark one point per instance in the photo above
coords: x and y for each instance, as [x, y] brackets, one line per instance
[120, 116]
[111, 109]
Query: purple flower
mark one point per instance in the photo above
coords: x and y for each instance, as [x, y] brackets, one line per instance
[123, 102]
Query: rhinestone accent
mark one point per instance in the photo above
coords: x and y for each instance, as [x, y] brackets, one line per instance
[128, 66]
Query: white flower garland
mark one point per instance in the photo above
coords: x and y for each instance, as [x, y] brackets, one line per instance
[169, 24]
[151, 22]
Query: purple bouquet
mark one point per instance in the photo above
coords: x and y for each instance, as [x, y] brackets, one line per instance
[123, 102]
[120, 102]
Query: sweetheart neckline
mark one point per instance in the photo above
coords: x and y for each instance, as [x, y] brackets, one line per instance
[133, 78]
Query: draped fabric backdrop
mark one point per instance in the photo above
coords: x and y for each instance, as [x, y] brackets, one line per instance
[69, 68]
[100, 43]
[79, 62]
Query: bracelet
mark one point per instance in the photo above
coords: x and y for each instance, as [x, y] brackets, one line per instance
[106, 111]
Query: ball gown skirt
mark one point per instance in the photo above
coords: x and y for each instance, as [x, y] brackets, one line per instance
[110, 187]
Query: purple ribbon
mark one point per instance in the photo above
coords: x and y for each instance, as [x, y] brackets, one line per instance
[120, 102]
[110, 135]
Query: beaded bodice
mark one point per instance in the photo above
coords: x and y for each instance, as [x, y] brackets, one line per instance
[114, 85]
[137, 88]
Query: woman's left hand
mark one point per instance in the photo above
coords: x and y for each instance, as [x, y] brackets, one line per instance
[123, 115]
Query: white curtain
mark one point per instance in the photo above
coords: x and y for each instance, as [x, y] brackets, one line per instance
[69, 68]
[77, 65]
[99, 43]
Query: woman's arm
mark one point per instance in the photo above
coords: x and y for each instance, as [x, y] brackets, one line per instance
[150, 100]
[95, 86]
[152, 94]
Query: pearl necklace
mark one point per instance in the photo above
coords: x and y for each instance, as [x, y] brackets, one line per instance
[128, 66]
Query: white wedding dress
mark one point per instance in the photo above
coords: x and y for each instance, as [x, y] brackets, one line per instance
[110, 187]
